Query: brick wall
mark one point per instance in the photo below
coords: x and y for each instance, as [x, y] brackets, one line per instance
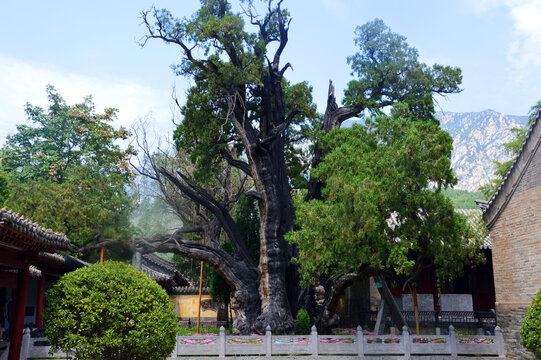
[509, 319]
[516, 251]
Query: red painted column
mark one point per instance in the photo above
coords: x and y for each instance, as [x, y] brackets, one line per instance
[41, 292]
[18, 317]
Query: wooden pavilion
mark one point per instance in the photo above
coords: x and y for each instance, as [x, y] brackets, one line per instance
[27, 250]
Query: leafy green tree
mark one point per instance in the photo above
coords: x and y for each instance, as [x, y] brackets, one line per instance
[65, 137]
[512, 148]
[85, 206]
[302, 322]
[68, 173]
[388, 70]
[110, 311]
[530, 329]
[241, 112]
[4, 188]
[383, 203]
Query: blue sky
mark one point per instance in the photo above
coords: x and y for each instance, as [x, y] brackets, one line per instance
[90, 47]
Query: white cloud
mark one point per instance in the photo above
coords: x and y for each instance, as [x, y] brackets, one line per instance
[23, 82]
[524, 52]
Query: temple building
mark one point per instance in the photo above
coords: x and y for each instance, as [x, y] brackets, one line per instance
[513, 217]
[29, 263]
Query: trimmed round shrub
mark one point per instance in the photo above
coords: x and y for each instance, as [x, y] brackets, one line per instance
[110, 311]
[302, 322]
[530, 329]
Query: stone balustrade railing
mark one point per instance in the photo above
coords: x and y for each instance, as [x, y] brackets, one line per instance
[315, 346]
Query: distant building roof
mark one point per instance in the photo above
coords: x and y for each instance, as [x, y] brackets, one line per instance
[475, 219]
[189, 290]
[500, 199]
[162, 271]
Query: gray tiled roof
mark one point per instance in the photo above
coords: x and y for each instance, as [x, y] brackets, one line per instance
[189, 290]
[475, 219]
[39, 235]
[161, 270]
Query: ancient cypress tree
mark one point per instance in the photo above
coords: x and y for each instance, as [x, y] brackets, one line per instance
[243, 117]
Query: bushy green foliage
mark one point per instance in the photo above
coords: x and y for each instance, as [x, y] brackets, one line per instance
[64, 137]
[383, 182]
[530, 329]
[67, 172]
[4, 189]
[302, 322]
[388, 71]
[110, 311]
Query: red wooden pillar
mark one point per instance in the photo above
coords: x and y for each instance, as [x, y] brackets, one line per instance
[41, 292]
[18, 317]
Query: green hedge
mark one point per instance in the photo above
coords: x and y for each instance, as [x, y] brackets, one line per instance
[302, 322]
[110, 311]
[530, 329]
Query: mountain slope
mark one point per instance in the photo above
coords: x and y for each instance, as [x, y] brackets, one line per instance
[478, 137]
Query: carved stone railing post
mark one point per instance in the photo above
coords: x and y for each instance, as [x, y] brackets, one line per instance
[452, 341]
[499, 341]
[406, 341]
[221, 343]
[314, 340]
[360, 342]
[268, 341]
[25, 344]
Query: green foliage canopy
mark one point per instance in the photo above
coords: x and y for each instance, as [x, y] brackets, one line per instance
[388, 71]
[383, 202]
[110, 311]
[4, 188]
[233, 66]
[302, 322]
[65, 137]
[530, 329]
[68, 173]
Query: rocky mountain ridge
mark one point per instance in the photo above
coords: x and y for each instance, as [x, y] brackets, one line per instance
[478, 139]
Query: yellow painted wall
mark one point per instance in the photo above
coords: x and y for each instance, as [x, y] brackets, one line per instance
[186, 307]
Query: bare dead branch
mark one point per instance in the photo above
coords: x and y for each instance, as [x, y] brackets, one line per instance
[275, 132]
[239, 164]
[254, 194]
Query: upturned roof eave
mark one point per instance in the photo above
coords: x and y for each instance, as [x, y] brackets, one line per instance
[30, 235]
[510, 182]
